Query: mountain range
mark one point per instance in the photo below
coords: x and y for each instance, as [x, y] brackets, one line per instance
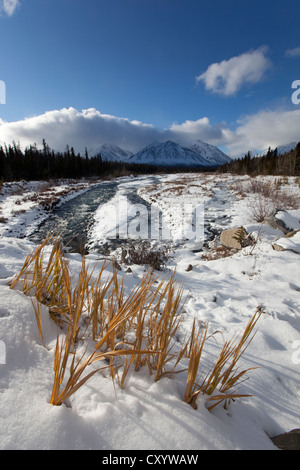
[111, 152]
[167, 153]
[281, 149]
[286, 148]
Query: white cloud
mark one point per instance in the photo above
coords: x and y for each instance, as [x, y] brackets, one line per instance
[254, 132]
[90, 128]
[293, 52]
[227, 77]
[266, 128]
[200, 129]
[9, 6]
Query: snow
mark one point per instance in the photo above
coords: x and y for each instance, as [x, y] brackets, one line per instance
[111, 152]
[281, 149]
[291, 219]
[24, 205]
[291, 243]
[210, 153]
[148, 415]
[165, 153]
[170, 153]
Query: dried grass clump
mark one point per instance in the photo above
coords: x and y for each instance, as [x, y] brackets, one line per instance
[221, 382]
[119, 332]
[97, 309]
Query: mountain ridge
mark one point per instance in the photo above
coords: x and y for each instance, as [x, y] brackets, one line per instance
[111, 152]
[168, 153]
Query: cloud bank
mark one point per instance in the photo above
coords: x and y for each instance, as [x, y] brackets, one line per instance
[88, 128]
[267, 128]
[8, 7]
[227, 77]
[91, 129]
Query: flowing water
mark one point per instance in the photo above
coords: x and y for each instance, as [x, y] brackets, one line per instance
[218, 211]
[74, 218]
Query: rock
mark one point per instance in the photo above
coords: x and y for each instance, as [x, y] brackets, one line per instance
[277, 224]
[288, 440]
[117, 266]
[128, 270]
[292, 233]
[233, 238]
[124, 255]
[283, 221]
[290, 242]
[76, 244]
[289, 220]
[189, 268]
[277, 247]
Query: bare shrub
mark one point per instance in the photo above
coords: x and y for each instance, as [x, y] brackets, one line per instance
[217, 253]
[145, 254]
[270, 198]
[44, 186]
[256, 186]
[262, 208]
[15, 213]
[286, 200]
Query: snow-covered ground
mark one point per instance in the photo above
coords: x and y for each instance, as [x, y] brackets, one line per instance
[24, 205]
[225, 291]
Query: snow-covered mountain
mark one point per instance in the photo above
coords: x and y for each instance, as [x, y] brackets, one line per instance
[286, 148]
[210, 153]
[172, 154]
[166, 153]
[111, 152]
[281, 149]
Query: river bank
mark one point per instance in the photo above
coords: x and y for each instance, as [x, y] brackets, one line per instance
[224, 291]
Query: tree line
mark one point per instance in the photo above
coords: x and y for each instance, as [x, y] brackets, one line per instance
[272, 163]
[45, 164]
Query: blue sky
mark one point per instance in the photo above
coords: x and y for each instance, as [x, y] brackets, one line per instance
[130, 71]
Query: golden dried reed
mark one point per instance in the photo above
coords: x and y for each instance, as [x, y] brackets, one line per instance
[137, 329]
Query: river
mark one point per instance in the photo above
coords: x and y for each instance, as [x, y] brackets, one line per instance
[73, 219]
